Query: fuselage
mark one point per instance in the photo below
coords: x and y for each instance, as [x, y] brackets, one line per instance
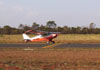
[43, 38]
[47, 38]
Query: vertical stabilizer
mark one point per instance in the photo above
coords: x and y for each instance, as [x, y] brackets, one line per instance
[26, 37]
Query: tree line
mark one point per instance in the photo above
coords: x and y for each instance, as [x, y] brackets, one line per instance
[50, 26]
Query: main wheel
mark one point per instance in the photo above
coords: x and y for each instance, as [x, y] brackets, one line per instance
[53, 42]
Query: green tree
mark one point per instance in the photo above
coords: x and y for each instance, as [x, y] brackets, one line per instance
[51, 24]
[78, 30]
[7, 29]
[65, 30]
[59, 29]
[85, 30]
[21, 26]
[42, 27]
[92, 25]
[26, 27]
[35, 25]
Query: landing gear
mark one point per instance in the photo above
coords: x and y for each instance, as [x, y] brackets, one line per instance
[53, 42]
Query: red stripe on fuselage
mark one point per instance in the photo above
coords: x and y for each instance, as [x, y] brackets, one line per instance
[40, 39]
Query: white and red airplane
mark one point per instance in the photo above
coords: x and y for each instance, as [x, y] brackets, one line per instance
[42, 36]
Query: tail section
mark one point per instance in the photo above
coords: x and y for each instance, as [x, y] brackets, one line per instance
[26, 37]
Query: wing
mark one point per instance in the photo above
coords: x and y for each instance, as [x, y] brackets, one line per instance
[43, 33]
[34, 32]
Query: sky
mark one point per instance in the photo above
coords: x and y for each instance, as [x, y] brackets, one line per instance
[71, 13]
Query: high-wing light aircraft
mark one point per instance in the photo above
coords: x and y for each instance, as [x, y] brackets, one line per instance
[42, 36]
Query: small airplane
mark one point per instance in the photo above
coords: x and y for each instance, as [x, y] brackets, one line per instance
[42, 36]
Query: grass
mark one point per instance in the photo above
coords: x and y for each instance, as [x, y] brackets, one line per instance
[79, 38]
[1, 69]
[68, 38]
[11, 39]
[51, 59]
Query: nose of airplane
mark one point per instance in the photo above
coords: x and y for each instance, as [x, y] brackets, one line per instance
[54, 35]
